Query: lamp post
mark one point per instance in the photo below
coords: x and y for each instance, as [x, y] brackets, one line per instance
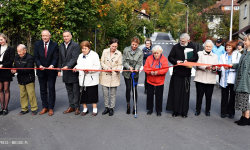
[186, 15]
[231, 21]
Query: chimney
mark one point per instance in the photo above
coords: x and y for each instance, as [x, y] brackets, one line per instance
[143, 11]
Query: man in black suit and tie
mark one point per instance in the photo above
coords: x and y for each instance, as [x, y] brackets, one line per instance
[46, 55]
[68, 55]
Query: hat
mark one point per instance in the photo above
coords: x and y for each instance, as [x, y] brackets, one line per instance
[218, 41]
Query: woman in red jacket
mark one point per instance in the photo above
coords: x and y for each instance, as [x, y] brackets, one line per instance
[155, 79]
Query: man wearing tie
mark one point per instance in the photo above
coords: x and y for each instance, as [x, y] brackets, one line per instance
[46, 55]
[68, 54]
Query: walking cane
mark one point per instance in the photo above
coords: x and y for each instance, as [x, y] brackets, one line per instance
[82, 88]
[132, 75]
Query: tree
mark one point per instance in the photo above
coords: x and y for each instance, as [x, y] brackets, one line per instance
[222, 29]
[19, 20]
[169, 18]
[145, 7]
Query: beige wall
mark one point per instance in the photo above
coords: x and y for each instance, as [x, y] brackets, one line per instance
[244, 22]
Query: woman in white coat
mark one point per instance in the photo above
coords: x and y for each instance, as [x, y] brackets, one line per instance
[205, 77]
[88, 80]
[227, 80]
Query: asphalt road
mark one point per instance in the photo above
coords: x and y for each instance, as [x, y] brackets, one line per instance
[122, 131]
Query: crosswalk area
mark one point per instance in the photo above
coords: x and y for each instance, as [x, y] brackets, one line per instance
[166, 43]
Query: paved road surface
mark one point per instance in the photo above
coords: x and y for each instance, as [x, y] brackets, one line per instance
[122, 131]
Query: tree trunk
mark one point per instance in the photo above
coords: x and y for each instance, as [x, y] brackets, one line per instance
[29, 41]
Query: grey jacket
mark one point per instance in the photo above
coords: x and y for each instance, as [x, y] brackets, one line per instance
[68, 58]
[131, 60]
[243, 83]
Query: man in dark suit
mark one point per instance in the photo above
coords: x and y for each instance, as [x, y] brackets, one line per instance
[68, 54]
[46, 55]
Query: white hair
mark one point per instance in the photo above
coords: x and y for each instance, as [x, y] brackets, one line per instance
[208, 41]
[22, 46]
[185, 36]
[157, 48]
[45, 30]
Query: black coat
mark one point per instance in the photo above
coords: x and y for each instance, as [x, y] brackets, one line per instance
[177, 53]
[69, 58]
[51, 59]
[7, 62]
[25, 76]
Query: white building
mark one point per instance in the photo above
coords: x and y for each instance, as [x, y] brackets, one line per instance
[216, 12]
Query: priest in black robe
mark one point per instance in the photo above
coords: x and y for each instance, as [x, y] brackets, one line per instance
[179, 87]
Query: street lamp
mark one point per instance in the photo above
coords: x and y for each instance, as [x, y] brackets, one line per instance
[231, 21]
[186, 15]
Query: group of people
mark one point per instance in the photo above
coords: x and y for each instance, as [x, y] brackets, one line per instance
[81, 75]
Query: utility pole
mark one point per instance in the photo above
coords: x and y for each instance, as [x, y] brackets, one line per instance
[231, 21]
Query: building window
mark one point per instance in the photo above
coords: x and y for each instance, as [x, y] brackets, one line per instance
[227, 7]
[245, 12]
[211, 19]
[236, 8]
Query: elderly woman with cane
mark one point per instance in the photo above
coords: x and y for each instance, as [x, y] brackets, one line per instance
[88, 80]
[155, 79]
[205, 77]
[111, 60]
[132, 61]
[242, 82]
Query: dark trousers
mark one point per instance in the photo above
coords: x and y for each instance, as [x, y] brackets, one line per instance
[145, 82]
[202, 89]
[73, 90]
[219, 73]
[156, 91]
[44, 82]
[129, 87]
[227, 105]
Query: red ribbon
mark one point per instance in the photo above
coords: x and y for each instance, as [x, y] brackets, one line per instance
[153, 69]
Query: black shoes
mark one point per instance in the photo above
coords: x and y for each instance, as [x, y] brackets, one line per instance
[197, 113]
[128, 109]
[184, 115]
[23, 112]
[105, 111]
[111, 112]
[231, 116]
[145, 92]
[223, 116]
[244, 122]
[207, 113]
[5, 112]
[34, 112]
[149, 112]
[158, 113]
[1, 112]
[239, 120]
[175, 114]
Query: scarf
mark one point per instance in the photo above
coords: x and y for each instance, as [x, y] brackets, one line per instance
[156, 63]
[228, 61]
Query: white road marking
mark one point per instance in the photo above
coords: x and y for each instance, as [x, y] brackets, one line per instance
[163, 43]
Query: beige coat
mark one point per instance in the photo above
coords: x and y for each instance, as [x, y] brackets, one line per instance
[114, 62]
[204, 75]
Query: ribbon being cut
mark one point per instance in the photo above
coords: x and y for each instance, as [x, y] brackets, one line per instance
[180, 64]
